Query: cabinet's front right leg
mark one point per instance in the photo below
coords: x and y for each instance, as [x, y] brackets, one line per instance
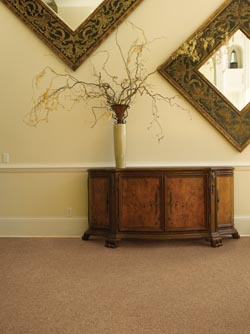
[236, 235]
[112, 243]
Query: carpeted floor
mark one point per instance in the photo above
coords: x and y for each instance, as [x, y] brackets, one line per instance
[70, 286]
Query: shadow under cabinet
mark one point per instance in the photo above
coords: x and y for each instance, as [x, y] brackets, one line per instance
[161, 203]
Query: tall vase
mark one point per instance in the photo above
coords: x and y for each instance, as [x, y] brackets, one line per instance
[119, 130]
[120, 142]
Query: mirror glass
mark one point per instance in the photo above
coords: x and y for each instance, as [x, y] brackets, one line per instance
[73, 12]
[228, 69]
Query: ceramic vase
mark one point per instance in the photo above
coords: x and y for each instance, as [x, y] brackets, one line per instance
[120, 145]
[119, 131]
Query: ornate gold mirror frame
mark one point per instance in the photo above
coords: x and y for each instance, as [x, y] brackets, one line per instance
[72, 46]
[182, 71]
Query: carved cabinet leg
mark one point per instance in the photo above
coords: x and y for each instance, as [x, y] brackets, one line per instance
[112, 243]
[216, 243]
[216, 240]
[85, 236]
[235, 235]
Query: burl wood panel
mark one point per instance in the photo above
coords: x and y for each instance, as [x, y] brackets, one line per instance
[185, 202]
[99, 201]
[224, 196]
[140, 203]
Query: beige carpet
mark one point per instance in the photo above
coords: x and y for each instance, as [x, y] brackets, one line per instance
[71, 286]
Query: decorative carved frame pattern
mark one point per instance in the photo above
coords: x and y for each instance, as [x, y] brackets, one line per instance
[73, 47]
[182, 71]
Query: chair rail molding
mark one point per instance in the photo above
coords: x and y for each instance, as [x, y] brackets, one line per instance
[82, 167]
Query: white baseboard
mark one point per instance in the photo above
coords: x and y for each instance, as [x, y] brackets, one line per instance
[242, 224]
[71, 227]
[42, 227]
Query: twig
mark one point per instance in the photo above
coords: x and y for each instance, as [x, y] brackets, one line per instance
[106, 88]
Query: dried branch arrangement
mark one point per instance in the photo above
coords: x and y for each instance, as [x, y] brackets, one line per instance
[63, 90]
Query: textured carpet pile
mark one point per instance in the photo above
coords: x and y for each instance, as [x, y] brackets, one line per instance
[70, 286]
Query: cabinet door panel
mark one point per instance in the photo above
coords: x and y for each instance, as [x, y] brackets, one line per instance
[225, 214]
[99, 201]
[140, 203]
[186, 202]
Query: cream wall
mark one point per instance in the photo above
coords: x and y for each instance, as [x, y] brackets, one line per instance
[46, 175]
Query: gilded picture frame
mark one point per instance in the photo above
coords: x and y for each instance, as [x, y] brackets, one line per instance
[73, 47]
[181, 69]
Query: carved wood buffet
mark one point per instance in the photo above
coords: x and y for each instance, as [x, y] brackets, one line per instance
[161, 203]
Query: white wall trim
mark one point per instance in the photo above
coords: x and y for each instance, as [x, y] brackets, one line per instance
[43, 227]
[242, 224]
[48, 168]
[82, 167]
[71, 227]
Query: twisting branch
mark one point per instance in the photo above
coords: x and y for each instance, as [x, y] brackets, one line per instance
[63, 90]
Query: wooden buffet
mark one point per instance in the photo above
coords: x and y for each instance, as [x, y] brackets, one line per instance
[161, 203]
